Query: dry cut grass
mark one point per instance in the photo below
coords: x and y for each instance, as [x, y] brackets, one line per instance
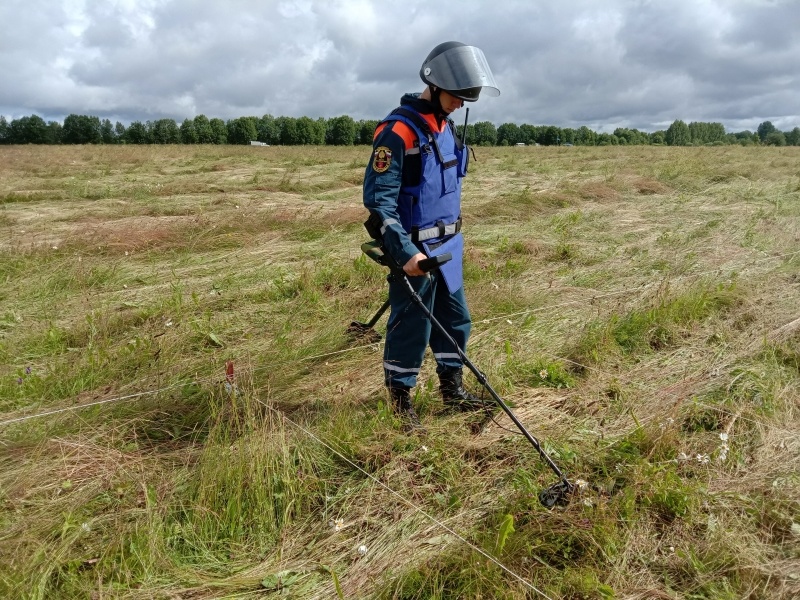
[636, 306]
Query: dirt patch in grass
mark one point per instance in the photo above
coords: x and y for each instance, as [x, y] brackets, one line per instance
[649, 187]
[598, 191]
[140, 233]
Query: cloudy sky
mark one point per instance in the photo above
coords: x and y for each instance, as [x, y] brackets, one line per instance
[601, 63]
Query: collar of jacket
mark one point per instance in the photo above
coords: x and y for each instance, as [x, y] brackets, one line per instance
[423, 107]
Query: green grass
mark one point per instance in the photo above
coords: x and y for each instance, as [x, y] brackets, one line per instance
[636, 307]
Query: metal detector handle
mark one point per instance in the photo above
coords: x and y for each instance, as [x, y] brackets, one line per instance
[434, 262]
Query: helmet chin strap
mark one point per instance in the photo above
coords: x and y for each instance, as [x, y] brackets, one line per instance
[436, 100]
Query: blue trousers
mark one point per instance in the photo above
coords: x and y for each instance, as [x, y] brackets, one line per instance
[409, 331]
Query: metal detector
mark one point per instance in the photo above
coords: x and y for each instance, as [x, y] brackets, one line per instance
[558, 493]
[359, 329]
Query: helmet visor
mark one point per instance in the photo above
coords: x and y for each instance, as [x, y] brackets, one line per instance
[461, 68]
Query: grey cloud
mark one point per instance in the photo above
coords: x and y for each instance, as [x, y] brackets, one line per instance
[639, 64]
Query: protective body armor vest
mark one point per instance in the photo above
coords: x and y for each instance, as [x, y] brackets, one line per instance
[436, 199]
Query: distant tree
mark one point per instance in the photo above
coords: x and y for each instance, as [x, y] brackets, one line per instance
[585, 136]
[764, 129]
[508, 134]
[625, 136]
[366, 131]
[268, 130]
[28, 130]
[309, 132]
[606, 139]
[697, 133]
[341, 131]
[137, 133]
[164, 131]
[82, 129]
[793, 137]
[242, 130]
[527, 134]
[321, 126]
[633, 137]
[775, 138]
[107, 132]
[568, 135]
[658, 138]
[716, 132]
[188, 132]
[746, 138]
[485, 134]
[219, 131]
[55, 132]
[678, 134]
[706, 133]
[552, 136]
[119, 132]
[205, 135]
[3, 130]
[288, 127]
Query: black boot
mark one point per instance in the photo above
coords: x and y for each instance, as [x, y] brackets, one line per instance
[401, 404]
[455, 397]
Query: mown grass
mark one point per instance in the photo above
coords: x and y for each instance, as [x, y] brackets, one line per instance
[636, 306]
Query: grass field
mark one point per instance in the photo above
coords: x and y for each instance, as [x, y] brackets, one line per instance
[638, 307]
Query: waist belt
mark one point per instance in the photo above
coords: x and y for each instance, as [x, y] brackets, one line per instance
[439, 230]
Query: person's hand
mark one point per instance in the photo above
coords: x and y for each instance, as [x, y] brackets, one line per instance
[412, 266]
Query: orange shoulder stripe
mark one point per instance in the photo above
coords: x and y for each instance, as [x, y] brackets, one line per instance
[404, 131]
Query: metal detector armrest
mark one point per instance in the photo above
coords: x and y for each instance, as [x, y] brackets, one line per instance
[375, 252]
[434, 262]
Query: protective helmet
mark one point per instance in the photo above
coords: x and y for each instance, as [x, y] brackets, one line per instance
[460, 70]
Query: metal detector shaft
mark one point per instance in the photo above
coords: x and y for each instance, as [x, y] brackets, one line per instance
[481, 377]
[377, 316]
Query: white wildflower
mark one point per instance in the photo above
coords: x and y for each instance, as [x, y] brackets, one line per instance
[543, 373]
[337, 524]
[723, 437]
[424, 448]
[581, 484]
[702, 459]
[362, 550]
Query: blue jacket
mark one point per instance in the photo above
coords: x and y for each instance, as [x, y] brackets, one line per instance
[413, 183]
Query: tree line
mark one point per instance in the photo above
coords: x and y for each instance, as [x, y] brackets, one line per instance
[345, 131]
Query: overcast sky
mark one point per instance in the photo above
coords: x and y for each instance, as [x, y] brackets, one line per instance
[603, 63]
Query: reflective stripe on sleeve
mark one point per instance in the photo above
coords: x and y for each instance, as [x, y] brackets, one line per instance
[386, 224]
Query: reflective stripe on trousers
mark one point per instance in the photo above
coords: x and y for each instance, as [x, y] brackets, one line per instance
[409, 332]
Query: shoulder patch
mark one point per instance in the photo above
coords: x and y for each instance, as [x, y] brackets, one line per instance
[381, 159]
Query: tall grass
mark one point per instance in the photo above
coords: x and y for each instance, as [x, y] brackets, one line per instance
[636, 307]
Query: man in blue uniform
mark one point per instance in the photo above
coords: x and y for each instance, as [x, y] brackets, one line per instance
[412, 188]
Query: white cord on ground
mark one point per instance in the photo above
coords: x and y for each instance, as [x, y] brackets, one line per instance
[433, 519]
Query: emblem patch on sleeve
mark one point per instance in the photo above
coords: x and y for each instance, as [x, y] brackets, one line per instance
[382, 159]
